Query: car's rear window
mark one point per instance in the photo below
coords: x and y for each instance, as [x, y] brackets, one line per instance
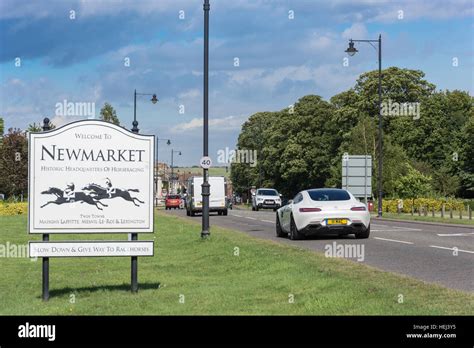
[267, 193]
[329, 195]
[174, 197]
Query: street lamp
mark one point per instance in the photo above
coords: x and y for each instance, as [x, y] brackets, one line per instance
[157, 171]
[205, 187]
[134, 236]
[351, 50]
[172, 163]
[153, 99]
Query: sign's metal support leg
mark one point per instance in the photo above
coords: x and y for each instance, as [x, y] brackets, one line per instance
[45, 272]
[134, 270]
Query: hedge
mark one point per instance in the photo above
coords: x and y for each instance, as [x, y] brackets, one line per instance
[390, 205]
[7, 209]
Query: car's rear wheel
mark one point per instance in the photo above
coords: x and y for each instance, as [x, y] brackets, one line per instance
[225, 212]
[192, 213]
[294, 233]
[363, 235]
[279, 231]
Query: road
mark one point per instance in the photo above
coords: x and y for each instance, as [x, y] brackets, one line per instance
[425, 252]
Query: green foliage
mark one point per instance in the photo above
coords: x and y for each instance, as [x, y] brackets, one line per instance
[303, 149]
[108, 114]
[14, 163]
[413, 185]
[35, 128]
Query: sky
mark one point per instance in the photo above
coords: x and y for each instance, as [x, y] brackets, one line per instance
[264, 56]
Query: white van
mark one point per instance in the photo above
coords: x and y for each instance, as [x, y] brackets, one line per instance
[217, 199]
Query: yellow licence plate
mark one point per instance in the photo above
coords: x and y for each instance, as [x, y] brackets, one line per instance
[337, 221]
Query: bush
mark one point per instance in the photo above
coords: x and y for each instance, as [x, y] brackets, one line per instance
[390, 205]
[7, 209]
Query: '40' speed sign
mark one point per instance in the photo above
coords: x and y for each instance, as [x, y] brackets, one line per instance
[205, 162]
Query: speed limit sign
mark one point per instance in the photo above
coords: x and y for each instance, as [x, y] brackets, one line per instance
[205, 162]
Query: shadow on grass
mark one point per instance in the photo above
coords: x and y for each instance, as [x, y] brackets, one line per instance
[122, 287]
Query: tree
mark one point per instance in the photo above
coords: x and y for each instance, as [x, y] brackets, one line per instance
[413, 185]
[466, 158]
[14, 163]
[35, 128]
[108, 114]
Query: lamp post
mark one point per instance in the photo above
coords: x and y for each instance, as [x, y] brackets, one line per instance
[134, 236]
[153, 99]
[172, 175]
[351, 50]
[205, 187]
[157, 174]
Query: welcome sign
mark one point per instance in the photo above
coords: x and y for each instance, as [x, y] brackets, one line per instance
[90, 177]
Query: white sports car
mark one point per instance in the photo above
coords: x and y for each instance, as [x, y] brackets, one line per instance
[323, 211]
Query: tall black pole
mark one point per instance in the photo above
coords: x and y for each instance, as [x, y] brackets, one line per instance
[157, 173]
[205, 185]
[46, 127]
[379, 181]
[134, 259]
[135, 123]
[172, 176]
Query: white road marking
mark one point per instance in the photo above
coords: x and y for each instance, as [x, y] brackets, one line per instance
[251, 218]
[395, 228]
[268, 221]
[236, 215]
[452, 249]
[389, 230]
[454, 234]
[393, 240]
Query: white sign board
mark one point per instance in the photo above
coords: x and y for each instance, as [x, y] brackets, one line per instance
[357, 175]
[90, 177]
[90, 248]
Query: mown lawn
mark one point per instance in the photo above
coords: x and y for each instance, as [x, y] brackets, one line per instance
[211, 279]
[446, 220]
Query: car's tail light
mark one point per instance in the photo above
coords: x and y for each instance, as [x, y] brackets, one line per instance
[309, 210]
[358, 209]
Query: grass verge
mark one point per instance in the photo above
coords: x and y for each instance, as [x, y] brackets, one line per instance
[445, 220]
[190, 276]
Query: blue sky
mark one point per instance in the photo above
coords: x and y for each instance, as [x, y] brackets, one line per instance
[281, 57]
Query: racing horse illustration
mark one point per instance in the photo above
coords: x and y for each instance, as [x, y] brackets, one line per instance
[99, 192]
[78, 197]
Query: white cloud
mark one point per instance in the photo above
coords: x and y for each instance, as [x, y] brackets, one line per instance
[190, 93]
[224, 123]
[357, 31]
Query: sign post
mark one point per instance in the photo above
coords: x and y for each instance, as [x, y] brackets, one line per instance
[45, 287]
[357, 175]
[79, 182]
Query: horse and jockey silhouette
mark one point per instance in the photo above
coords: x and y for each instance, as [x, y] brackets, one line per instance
[99, 192]
[69, 195]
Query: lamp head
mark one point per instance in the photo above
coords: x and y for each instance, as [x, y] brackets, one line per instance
[351, 50]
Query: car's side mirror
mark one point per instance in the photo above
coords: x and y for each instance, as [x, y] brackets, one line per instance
[280, 195]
